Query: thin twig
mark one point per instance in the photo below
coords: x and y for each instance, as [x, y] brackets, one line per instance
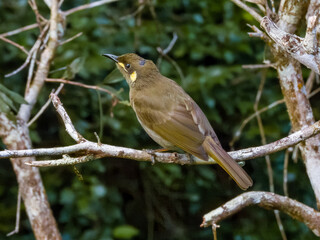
[19, 30]
[266, 200]
[267, 157]
[248, 119]
[70, 39]
[171, 44]
[79, 84]
[66, 13]
[30, 53]
[26, 62]
[261, 129]
[66, 119]
[310, 81]
[16, 229]
[87, 6]
[45, 106]
[35, 9]
[164, 53]
[252, 116]
[285, 172]
[140, 8]
[31, 70]
[14, 44]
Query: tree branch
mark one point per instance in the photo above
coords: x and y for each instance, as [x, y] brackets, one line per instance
[266, 200]
[15, 135]
[43, 67]
[87, 6]
[292, 44]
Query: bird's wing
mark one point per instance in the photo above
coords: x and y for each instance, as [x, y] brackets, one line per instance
[185, 125]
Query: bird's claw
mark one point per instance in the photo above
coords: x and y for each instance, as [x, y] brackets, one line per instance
[152, 153]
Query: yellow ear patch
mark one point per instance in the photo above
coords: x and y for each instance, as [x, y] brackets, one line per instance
[133, 76]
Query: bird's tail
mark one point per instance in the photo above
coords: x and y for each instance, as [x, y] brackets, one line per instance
[227, 163]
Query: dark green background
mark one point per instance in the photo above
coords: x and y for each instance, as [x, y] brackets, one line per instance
[141, 201]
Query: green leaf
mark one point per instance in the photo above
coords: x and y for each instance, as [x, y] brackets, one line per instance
[7, 101]
[17, 98]
[3, 106]
[74, 67]
[125, 232]
[113, 77]
[125, 102]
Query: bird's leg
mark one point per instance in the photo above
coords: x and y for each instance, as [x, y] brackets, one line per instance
[162, 150]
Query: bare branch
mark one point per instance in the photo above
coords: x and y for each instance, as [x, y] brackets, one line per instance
[66, 13]
[292, 44]
[66, 160]
[60, 80]
[44, 107]
[164, 53]
[66, 119]
[267, 157]
[16, 228]
[139, 10]
[248, 119]
[19, 30]
[44, 66]
[26, 62]
[70, 39]
[170, 46]
[87, 6]
[14, 44]
[266, 200]
[285, 171]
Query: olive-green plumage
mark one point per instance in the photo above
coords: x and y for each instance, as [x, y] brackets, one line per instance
[171, 117]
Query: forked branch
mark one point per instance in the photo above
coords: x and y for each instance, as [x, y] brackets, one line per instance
[266, 200]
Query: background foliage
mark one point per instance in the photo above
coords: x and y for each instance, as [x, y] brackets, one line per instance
[122, 199]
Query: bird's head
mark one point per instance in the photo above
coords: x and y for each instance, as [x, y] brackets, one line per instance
[136, 70]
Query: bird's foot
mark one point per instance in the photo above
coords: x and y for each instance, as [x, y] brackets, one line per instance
[153, 152]
[191, 158]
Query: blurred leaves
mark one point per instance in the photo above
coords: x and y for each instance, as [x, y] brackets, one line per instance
[73, 68]
[125, 232]
[114, 77]
[9, 100]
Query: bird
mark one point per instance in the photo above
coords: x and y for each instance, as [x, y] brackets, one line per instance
[171, 117]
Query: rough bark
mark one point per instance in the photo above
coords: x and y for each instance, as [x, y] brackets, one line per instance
[16, 136]
[266, 200]
[294, 92]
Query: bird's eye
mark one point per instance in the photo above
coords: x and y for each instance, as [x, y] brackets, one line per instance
[128, 66]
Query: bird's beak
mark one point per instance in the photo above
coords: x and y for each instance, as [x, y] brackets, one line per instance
[112, 57]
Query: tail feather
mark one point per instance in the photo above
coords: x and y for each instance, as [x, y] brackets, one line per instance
[227, 163]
